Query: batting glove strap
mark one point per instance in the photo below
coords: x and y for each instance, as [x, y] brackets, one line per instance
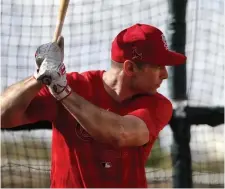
[60, 95]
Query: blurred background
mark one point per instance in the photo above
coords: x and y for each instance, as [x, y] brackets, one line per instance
[89, 28]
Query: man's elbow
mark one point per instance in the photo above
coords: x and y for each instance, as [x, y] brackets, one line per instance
[6, 122]
[7, 117]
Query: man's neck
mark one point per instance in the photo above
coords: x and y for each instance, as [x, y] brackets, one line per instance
[115, 87]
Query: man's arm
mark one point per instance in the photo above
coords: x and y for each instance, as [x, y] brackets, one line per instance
[15, 100]
[107, 126]
[16, 106]
[102, 125]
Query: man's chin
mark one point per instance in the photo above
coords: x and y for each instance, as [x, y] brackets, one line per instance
[152, 92]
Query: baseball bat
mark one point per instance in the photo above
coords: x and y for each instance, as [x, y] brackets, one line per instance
[60, 18]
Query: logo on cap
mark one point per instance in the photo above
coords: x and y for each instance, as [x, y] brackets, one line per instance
[136, 54]
[164, 41]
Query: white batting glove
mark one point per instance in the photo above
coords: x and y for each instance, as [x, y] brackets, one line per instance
[50, 69]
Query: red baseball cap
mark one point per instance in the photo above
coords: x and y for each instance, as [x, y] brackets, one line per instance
[144, 43]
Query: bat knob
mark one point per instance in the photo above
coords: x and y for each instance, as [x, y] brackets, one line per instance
[47, 80]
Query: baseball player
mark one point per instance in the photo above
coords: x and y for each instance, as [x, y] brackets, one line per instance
[104, 122]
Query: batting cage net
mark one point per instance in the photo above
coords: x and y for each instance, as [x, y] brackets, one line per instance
[89, 28]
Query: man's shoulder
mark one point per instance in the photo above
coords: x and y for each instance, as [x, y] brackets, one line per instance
[88, 75]
[156, 99]
[162, 99]
[163, 104]
[157, 104]
[159, 107]
[84, 83]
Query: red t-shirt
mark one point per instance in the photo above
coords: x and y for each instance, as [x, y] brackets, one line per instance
[80, 161]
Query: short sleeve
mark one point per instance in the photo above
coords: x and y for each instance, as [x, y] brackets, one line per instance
[145, 115]
[42, 107]
[155, 111]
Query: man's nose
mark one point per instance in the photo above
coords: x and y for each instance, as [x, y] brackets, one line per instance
[164, 73]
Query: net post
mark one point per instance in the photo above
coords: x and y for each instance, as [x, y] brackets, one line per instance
[180, 149]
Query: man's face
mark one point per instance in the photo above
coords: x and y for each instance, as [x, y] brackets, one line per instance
[149, 78]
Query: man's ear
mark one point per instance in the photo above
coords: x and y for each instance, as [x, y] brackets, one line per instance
[129, 68]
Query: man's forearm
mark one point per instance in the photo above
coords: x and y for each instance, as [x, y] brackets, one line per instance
[99, 123]
[15, 100]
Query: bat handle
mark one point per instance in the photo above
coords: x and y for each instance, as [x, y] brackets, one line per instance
[57, 32]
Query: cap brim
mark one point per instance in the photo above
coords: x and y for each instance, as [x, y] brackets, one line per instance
[175, 59]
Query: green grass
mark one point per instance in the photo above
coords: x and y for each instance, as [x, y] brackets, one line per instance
[160, 159]
[213, 167]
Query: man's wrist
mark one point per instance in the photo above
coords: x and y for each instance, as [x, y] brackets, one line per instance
[38, 83]
[63, 94]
